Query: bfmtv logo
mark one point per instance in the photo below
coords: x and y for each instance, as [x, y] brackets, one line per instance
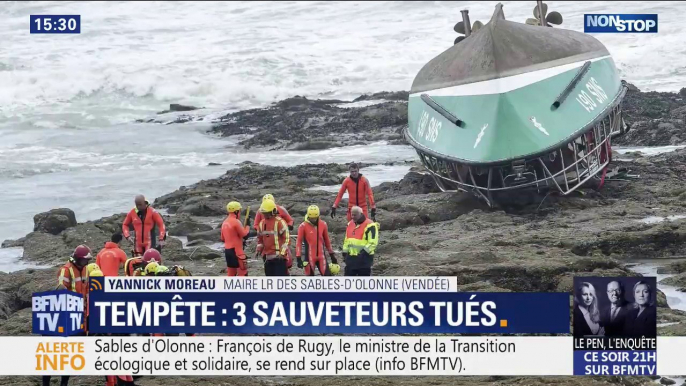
[57, 313]
[620, 23]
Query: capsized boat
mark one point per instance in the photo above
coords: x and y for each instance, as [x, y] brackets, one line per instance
[513, 106]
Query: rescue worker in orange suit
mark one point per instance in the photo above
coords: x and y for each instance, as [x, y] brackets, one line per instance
[144, 220]
[273, 239]
[314, 233]
[73, 276]
[359, 246]
[283, 213]
[111, 258]
[233, 235]
[359, 191]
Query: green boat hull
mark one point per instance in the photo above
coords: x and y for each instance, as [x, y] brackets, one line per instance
[498, 127]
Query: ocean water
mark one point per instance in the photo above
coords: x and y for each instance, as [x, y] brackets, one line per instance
[68, 102]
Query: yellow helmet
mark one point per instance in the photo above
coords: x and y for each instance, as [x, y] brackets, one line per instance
[161, 269]
[268, 197]
[96, 273]
[92, 267]
[312, 211]
[151, 268]
[334, 268]
[268, 206]
[233, 206]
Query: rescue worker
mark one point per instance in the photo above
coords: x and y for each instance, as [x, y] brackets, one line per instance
[233, 235]
[111, 258]
[361, 240]
[283, 213]
[145, 220]
[359, 190]
[273, 239]
[74, 277]
[314, 234]
[152, 255]
[133, 266]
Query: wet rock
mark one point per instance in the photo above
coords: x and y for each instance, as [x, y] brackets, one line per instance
[178, 107]
[212, 235]
[675, 267]
[85, 234]
[54, 221]
[205, 253]
[676, 281]
[45, 248]
[661, 299]
[50, 249]
[656, 118]
[17, 288]
[199, 242]
[187, 227]
[630, 86]
[315, 145]
[679, 112]
[17, 324]
[387, 95]
[112, 224]
[13, 243]
[667, 381]
[203, 208]
[304, 124]
[412, 183]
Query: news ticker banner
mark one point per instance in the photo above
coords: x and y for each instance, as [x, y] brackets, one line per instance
[343, 305]
[615, 326]
[304, 355]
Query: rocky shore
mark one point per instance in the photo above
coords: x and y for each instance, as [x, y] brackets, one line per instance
[534, 247]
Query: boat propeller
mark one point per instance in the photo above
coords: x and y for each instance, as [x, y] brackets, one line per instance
[471, 28]
[547, 19]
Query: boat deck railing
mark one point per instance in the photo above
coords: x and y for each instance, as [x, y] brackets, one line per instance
[541, 172]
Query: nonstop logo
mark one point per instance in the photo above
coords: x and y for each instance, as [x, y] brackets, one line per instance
[620, 23]
[57, 313]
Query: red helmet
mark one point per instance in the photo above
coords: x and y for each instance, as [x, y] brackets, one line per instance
[82, 252]
[152, 255]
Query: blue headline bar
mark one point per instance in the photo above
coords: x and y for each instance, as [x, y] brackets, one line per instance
[328, 312]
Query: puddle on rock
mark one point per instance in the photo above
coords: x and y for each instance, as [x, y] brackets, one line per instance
[675, 299]
[658, 219]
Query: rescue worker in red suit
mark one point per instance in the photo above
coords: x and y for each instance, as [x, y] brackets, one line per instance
[144, 220]
[283, 213]
[233, 235]
[273, 239]
[359, 191]
[314, 234]
[73, 276]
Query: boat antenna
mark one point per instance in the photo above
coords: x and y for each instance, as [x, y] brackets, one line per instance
[465, 27]
[467, 24]
[540, 12]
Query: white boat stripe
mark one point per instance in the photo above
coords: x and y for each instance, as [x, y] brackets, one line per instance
[507, 84]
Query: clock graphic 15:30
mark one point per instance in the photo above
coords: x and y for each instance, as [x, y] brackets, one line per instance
[55, 24]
